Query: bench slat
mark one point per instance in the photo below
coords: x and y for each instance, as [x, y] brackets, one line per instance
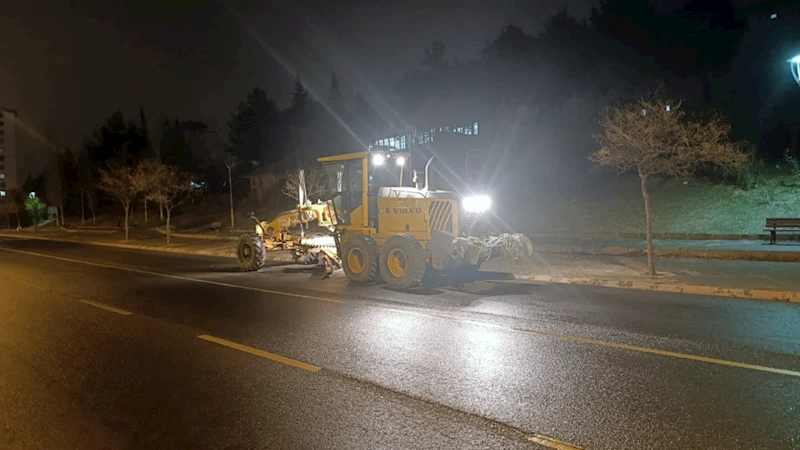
[781, 222]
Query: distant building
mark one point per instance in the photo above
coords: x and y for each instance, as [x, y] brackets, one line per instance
[264, 183]
[457, 148]
[9, 162]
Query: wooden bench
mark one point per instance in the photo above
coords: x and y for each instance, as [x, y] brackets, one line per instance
[777, 225]
[215, 226]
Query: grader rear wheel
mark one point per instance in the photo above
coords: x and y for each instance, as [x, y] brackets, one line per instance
[250, 252]
[360, 259]
[403, 262]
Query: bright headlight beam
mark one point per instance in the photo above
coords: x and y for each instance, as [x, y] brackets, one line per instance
[378, 159]
[476, 204]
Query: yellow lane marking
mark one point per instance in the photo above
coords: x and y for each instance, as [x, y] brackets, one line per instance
[261, 353]
[174, 277]
[552, 443]
[106, 307]
[578, 339]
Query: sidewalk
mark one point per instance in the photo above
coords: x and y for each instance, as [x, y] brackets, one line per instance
[745, 250]
[140, 239]
[739, 279]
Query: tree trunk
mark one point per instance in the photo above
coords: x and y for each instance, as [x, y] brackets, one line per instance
[83, 209]
[230, 195]
[127, 208]
[8, 217]
[651, 258]
[169, 213]
[17, 214]
[63, 224]
[145, 209]
[90, 202]
[161, 211]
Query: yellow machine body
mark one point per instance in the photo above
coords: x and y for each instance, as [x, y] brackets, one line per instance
[373, 227]
[382, 212]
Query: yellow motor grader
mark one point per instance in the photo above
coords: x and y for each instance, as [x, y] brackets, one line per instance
[377, 229]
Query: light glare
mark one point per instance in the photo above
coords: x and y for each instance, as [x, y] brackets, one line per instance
[378, 159]
[401, 161]
[477, 204]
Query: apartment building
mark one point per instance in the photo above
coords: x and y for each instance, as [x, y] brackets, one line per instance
[9, 164]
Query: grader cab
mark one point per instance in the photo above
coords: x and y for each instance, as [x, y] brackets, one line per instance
[376, 229]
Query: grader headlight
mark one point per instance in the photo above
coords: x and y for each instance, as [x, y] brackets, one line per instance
[477, 204]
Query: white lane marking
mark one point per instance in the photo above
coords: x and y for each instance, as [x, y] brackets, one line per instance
[443, 317]
[174, 277]
[261, 353]
[552, 443]
[106, 307]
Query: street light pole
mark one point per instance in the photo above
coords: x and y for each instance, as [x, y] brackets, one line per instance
[794, 65]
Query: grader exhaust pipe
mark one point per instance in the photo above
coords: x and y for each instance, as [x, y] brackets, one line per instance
[417, 183]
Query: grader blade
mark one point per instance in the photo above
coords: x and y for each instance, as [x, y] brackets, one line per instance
[505, 253]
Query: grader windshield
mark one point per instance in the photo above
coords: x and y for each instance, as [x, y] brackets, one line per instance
[345, 182]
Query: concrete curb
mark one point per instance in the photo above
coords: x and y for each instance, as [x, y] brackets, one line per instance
[127, 246]
[200, 237]
[657, 236]
[665, 252]
[678, 288]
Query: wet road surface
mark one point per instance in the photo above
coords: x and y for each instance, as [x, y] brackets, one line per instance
[108, 348]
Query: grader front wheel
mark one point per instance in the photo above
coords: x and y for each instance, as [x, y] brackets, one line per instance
[360, 259]
[250, 252]
[403, 262]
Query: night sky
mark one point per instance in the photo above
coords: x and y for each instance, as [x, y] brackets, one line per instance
[66, 65]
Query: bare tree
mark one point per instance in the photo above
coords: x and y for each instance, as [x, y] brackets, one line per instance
[316, 187]
[120, 181]
[154, 136]
[654, 137]
[174, 188]
[90, 204]
[83, 206]
[53, 187]
[231, 161]
[148, 175]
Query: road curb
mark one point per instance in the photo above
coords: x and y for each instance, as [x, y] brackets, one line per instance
[657, 236]
[674, 288]
[667, 252]
[126, 246]
[200, 237]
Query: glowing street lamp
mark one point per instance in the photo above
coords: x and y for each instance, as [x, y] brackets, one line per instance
[795, 66]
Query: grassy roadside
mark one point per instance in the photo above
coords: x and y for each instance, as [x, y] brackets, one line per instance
[678, 207]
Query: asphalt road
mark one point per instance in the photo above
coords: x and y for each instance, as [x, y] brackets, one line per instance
[106, 348]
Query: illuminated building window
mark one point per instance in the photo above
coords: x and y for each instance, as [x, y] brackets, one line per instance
[2, 176]
[2, 193]
[774, 16]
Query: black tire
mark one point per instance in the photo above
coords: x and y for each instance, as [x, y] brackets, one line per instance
[250, 252]
[403, 262]
[360, 259]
